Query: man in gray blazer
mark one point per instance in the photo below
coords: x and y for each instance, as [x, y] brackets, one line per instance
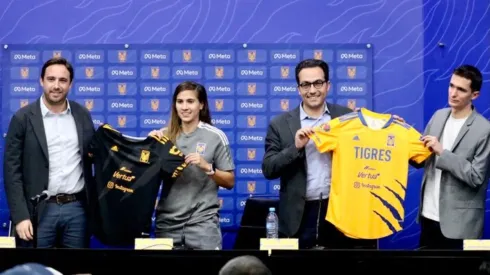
[304, 172]
[46, 151]
[455, 181]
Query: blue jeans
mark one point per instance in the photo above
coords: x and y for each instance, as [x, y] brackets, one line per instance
[61, 225]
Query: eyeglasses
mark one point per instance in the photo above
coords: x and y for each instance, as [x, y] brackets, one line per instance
[307, 85]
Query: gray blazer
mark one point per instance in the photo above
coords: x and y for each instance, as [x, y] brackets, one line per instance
[464, 177]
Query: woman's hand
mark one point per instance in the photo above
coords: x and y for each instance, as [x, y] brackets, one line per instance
[198, 160]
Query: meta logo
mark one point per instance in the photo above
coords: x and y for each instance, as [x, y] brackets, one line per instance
[369, 153]
[155, 56]
[123, 72]
[241, 202]
[249, 105]
[226, 220]
[89, 56]
[122, 105]
[250, 170]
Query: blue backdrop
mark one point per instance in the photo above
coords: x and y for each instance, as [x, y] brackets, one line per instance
[416, 45]
[130, 87]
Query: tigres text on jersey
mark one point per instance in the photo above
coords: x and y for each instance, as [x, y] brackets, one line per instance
[128, 175]
[370, 159]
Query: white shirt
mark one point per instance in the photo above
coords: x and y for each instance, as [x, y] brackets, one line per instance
[65, 161]
[432, 190]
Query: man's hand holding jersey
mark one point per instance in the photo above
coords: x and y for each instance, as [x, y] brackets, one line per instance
[433, 144]
[302, 137]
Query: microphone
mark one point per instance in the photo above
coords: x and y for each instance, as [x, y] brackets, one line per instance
[183, 246]
[318, 247]
[41, 197]
[35, 201]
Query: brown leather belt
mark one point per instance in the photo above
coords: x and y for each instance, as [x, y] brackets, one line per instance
[65, 198]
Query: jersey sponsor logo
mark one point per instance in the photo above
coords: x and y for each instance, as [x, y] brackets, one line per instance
[112, 185]
[200, 148]
[145, 156]
[121, 176]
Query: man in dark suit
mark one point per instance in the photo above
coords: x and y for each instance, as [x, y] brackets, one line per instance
[303, 171]
[45, 151]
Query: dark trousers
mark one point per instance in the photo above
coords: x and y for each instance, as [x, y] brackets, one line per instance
[431, 236]
[61, 226]
[328, 235]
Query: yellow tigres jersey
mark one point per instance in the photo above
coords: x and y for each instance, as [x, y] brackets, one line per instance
[369, 171]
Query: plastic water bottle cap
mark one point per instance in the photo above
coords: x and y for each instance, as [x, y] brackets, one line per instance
[272, 209]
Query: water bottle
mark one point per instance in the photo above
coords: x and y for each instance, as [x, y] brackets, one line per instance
[272, 224]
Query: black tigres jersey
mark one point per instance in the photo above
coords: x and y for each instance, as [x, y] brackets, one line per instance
[128, 175]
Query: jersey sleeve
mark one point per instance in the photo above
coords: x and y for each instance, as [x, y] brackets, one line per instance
[326, 135]
[418, 152]
[172, 160]
[222, 155]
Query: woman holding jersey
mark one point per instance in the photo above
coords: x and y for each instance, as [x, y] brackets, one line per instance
[188, 208]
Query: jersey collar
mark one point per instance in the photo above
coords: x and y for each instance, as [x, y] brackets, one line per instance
[363, 111]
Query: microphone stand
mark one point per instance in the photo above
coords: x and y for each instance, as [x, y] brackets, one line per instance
[35, 202]
[318, 247]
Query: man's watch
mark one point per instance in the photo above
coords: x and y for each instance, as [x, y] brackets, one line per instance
[211, 171]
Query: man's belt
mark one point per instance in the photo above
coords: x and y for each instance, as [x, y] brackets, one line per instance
[65, 198]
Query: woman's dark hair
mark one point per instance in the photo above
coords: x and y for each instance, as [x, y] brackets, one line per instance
[174, 126]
